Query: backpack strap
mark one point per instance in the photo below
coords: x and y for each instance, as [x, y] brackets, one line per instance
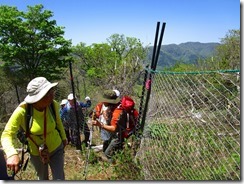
[29, 119]
[54, 115]
[127, 120]
[52, 110]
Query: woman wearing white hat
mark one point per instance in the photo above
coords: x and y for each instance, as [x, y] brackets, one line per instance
[45, 130]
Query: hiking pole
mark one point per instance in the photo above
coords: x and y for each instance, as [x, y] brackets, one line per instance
[78, 144]
[90, 143]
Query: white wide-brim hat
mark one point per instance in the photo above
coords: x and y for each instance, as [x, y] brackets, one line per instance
[37, 89]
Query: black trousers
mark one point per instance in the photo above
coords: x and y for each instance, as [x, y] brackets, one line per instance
[83, 128]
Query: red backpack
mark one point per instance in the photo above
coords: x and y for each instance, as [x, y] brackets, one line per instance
[128, 105]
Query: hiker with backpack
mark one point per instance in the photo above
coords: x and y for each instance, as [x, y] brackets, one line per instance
[103, 117]
[44, 131]
[115, 125]
[69, 115]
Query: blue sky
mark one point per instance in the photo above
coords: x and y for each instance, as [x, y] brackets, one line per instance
[93, 21]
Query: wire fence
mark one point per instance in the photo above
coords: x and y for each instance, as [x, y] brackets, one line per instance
[192, 127]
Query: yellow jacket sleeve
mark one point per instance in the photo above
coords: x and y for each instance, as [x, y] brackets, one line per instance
[9, 133]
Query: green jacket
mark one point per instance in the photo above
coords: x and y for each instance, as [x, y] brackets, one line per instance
[55, 133]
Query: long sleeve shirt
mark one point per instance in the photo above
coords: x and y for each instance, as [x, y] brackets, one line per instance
[55, 133]
[85, 105]
[68, 114]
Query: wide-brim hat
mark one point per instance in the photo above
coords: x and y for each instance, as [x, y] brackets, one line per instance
[37, 89]
[109, 96]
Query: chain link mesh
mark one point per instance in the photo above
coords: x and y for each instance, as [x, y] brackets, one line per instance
[192, 129]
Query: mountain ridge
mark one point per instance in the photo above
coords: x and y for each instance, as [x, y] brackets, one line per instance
[188, 52]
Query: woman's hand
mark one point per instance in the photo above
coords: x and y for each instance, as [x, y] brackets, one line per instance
[13, 163]
[96, 123]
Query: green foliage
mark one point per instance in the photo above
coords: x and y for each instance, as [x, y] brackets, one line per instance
[127, 167]
[31, 44]
[183, 148]
[228, 53]
[4, 85]
[182, 67]
[157, 130]
[117, 63]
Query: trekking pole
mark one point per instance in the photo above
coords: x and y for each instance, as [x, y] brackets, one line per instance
[90, 143]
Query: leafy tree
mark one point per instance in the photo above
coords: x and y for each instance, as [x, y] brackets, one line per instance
[95, 62]
[117, 63]
[228, 53]
[31, 44]
[131, 55]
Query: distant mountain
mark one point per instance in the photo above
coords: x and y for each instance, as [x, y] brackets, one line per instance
[188, 52]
